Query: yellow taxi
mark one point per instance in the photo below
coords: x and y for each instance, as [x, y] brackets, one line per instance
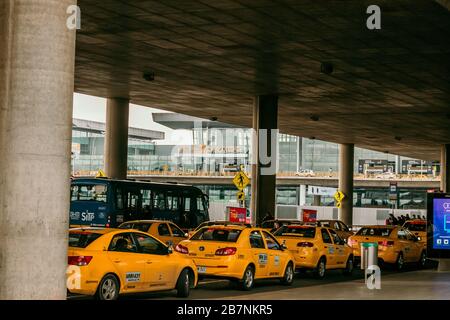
[417, 227]
[166, 231]
[316, 248]
[238, 253]
[396, 245]
[107, 262]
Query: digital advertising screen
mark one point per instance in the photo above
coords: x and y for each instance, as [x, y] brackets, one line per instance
[438, 225]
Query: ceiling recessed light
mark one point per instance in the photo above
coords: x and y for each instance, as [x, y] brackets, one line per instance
[326, 67]
[314, 118]
[398, 138]
[149, 76]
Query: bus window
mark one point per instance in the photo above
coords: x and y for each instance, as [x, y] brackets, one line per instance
[146, 198]
[200, 204]
[119, 199]
[173, 201]
[187, 204]
[94, 192]
[159, 200]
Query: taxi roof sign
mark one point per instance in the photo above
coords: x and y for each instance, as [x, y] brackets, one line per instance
[101, 174]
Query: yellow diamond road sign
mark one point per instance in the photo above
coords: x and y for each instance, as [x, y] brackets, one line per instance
[241, 196]
[241, 180]
[339, 196]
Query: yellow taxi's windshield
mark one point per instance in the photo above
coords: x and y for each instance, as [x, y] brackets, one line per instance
[374, 232]
[81, 239]
[296, 231]
[415, 226]
[217, 234]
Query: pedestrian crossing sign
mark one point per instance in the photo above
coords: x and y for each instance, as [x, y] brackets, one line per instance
[241, 196]
[241, 180]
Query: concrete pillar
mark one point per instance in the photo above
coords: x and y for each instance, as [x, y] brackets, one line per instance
[317, 200]
[264, 167]
[116, 138]
[37, 57]
[346, 156]
[398, 165]
[302, 195]
[445, 168]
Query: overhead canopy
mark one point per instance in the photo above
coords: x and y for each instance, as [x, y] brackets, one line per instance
[390, 89]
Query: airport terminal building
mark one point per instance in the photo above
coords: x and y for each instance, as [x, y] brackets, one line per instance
[220, 149]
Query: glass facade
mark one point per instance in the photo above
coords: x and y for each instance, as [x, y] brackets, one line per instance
[219, 151]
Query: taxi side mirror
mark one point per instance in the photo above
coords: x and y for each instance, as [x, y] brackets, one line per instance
[186, 235]
[170, 249]
[283, 246]
[418, 238]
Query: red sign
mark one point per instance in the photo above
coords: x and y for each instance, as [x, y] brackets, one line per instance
[237, 214]
[309, 215]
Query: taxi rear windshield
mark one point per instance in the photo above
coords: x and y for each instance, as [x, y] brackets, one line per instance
[137, 226]
[374, 232]
[215, 234]
[297, 231]
[416, 226]
[82, 239]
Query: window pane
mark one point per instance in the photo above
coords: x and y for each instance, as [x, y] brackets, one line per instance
[256, 240]
[82, 239]
[149, 245]
[163, 230]
[271, 242]
[326, 236]
[177, 232]
[89, 193]
[122, 243]
[159, 200]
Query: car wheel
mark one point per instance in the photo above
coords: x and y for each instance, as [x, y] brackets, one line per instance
[423, 259]
[320, 270]
[248, 279]
[349, 266]
[183, 284]
[288, 277]
[400, 263]
[108, 288]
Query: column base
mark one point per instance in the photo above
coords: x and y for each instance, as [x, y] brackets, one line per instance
[444, 265]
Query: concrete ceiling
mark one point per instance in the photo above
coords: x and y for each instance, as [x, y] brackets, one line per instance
[390, 89]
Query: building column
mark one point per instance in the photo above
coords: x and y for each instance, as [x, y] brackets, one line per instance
[264, 167]
[317, 200]
[444, 264]
[445, 168]
[346, 156]
[116, 138]
[302, 195]
[37, 58]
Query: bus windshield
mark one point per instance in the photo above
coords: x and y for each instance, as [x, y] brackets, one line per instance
[89, 192]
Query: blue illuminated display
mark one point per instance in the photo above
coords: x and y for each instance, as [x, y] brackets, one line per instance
[441, 222]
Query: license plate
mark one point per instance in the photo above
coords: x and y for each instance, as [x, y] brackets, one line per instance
[201, 269]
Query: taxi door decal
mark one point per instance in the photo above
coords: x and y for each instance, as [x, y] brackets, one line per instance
[277, 260]
[330, 250]
[133, 277]
[262, 258]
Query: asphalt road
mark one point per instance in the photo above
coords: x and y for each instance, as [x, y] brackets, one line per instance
[222, 289]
